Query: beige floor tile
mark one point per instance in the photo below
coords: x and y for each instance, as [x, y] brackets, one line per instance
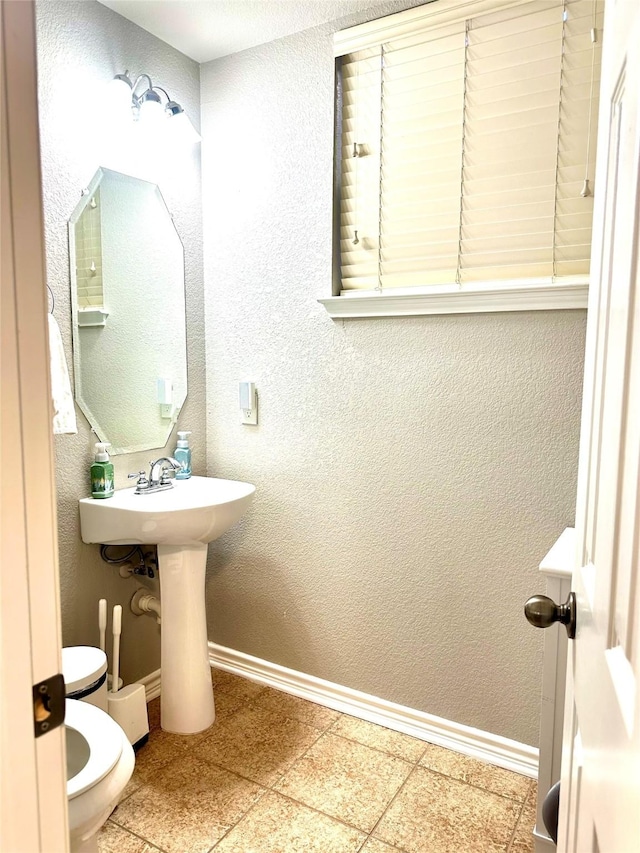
[187, 806]
[298, 709]
[114, 839]
[373, 845]
[153, 712]
[257, 744]
[346, 780]
[379, 737]
[227, 682]
[278, 825]
[442, 815]
[477, 773]
[226, 705]
[132, 785]
[161, 748]
[523, 838]
[523, 841]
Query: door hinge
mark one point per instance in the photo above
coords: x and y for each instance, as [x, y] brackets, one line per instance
[48, 704]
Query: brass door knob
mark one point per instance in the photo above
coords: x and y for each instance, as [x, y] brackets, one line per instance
[542, 612]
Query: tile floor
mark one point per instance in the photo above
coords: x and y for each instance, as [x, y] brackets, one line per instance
[277, 774]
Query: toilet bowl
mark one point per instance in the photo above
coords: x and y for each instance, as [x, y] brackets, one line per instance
[100, 762]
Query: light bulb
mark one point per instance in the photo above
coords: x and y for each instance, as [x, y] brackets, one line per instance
[183, 131]
[180, 128]
[118, 98]
[151, 110]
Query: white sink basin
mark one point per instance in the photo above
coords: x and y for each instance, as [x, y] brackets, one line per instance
[180, 521]
[197, 510]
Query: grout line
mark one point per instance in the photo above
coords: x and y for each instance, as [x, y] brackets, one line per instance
[388, 806]
[293, 799]
[379, 748]
[254, 703]
[136, 835]
[233, 773]
[130, 794]
[243, 816]
[474, 785]
[298, 802]
[367, 833]
[517, 824]
[302, 805]
[320, 812]
[296, 762]
[515, 829]
[144, 781]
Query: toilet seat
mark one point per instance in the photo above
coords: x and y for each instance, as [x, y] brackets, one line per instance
[104, 738]
[84, 669]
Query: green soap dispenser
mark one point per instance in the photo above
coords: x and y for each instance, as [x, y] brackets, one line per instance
[102, 473]
[182, 454]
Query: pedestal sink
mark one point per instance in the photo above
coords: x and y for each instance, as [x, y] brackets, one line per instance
[181, 521]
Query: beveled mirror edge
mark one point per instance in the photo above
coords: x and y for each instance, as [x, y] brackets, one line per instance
[96, 429]
[85, 195]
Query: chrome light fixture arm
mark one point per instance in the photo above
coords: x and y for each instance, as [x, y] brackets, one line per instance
[150, 93]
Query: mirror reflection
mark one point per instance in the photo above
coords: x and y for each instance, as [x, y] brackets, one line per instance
[128, 312]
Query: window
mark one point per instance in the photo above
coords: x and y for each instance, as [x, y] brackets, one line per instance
[467, 154]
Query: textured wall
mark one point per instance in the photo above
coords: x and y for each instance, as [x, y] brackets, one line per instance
[81, 45]
[411, 473]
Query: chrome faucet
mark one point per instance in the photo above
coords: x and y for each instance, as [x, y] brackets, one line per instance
[158, 479]
[159, 475]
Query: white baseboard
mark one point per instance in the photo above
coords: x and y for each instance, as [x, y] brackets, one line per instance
[151, 684]
[500, 751]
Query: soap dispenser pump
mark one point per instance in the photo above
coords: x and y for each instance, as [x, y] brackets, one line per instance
[102, 473]
[182, 454]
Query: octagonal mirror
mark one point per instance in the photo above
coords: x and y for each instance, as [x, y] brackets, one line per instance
[128, 312]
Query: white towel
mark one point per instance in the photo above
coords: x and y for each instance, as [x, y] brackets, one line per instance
[64, 417]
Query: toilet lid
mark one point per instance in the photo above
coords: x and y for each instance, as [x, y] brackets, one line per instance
[104, 739]
[82, 666]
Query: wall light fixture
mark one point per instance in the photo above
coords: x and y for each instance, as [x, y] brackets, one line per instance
[131, 102]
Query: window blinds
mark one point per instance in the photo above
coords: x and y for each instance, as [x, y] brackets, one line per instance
[465, 149]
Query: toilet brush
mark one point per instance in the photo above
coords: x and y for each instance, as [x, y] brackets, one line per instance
[128, 707]
[102, 623]
[116, 628]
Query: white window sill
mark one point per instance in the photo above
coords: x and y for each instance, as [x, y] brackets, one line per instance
[469, 299]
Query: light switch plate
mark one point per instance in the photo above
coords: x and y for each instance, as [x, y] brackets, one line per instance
[248, 403]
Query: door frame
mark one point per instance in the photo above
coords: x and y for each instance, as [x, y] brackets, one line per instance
[33, 801]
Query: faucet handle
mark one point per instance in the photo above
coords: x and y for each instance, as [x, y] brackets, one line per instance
[143, 482]
[165, 478]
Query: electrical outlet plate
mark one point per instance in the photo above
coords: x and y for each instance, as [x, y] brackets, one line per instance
[250, 416]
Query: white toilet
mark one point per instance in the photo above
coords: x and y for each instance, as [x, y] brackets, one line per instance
[100, 762]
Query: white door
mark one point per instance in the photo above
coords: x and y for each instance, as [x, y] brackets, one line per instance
[600, 791]
[33, 801]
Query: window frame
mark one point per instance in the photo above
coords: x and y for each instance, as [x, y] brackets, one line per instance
[566, 293]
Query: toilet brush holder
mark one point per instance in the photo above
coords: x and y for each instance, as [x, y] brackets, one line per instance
[128, 707]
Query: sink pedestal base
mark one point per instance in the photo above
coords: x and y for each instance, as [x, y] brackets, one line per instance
[186, 704]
